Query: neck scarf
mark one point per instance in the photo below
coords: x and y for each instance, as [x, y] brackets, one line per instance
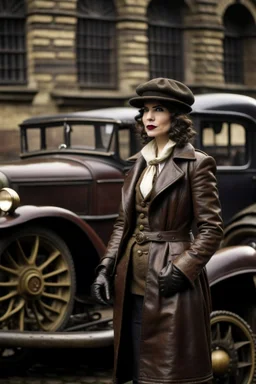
[149, 154]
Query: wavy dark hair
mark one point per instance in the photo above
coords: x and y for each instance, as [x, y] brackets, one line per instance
[181, 129]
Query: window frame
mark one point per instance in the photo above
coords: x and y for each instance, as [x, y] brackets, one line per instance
[96, 23]
[13, 12]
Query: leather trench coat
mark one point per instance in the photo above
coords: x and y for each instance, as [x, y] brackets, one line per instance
[175, 334]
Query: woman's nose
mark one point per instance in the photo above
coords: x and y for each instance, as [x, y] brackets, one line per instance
[150, 115]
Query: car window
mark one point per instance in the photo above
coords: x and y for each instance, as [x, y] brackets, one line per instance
[33, 139]
[225, 141]
[54, 137]
[82, 136]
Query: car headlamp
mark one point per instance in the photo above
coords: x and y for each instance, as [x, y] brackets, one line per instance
[9, 200]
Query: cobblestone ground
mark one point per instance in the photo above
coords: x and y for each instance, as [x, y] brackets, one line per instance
[55, 368]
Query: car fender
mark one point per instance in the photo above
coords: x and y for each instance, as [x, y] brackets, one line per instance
[27, 213]
[231, 261]
[244, 218]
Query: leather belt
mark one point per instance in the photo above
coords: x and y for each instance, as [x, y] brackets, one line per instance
[162, 236]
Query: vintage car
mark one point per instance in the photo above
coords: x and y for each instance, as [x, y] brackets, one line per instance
[58, 204]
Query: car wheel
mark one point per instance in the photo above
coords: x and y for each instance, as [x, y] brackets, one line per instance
[233, 349]
[242, 236]
[37, 281]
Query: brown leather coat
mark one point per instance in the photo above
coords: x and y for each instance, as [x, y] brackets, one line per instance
[175, 342]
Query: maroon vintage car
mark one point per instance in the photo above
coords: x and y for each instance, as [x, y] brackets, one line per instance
[69, 181]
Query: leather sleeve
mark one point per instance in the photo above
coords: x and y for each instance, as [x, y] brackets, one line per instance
[207, 214]
[110, 255]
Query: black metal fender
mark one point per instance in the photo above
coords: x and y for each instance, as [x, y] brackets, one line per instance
[30, 214]
[229, 262]
[242, 219]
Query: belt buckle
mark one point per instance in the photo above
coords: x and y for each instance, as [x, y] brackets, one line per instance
[140, 237]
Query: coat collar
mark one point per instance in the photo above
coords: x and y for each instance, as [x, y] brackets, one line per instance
[169, 175]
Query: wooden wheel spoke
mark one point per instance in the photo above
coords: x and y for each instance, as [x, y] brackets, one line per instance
[21, 320]
[11, 260]
[228, 335]
[44, 312]
[244, 364]
[9, 284]
[49, 308]
[10, 306]
[23, 257]
[10, 312]
[54, 273]
[8, 296]
[9, 270]
[35, 312]
[241, 344]
[216, 333]
[60, 284]
[55, 297]
[34, 251]
[51, 258]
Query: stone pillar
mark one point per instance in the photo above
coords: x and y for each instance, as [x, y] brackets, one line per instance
[133, 67]
[203, 46]
[51, 43]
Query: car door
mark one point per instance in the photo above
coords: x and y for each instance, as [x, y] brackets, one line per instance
[230, 139]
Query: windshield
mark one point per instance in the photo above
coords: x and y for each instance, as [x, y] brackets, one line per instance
[93, 137]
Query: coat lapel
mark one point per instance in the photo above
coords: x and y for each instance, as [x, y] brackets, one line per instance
[171, 171]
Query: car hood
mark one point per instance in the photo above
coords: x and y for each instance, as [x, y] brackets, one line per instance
[57, 168]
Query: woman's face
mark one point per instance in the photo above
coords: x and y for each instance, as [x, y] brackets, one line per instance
[156, 120]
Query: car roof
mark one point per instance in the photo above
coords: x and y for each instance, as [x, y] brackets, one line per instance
[125, 115]
[226, 102]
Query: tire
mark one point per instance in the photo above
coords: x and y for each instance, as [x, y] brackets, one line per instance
[233, 349]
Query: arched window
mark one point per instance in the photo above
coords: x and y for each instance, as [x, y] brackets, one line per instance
[13, 69]
[165, 35]
[238, 24]
[96, 43]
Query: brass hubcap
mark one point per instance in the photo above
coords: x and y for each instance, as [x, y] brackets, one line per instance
[31, 283]
[220, 362]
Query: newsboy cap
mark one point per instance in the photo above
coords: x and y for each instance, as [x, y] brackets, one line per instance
[176, 94]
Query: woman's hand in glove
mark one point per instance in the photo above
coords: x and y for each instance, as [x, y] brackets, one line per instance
[100, 289]
[171, 280]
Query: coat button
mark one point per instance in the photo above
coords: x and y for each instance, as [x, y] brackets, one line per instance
[142, 215]
[139, 252]
[143, 204]
[141, 227]
[159, 236]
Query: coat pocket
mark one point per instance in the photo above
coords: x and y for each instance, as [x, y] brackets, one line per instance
[177, 248]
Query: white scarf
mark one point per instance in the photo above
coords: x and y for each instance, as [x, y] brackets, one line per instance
[149, 154]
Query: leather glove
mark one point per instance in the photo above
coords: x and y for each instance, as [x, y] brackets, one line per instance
[171, 280]
[100, 289]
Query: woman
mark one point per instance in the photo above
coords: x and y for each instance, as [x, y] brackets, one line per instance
[161, 292]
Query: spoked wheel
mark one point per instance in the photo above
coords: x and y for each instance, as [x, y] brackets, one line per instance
[233, 349]
[37, 283]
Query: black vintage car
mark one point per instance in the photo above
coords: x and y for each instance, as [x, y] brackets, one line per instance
[58, 204]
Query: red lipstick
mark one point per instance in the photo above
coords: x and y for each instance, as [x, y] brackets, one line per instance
[150, 127]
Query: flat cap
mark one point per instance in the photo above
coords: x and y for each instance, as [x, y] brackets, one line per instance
[174, 93]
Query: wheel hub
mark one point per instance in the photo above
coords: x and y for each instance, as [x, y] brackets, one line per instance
[220, 362]
[31, 283]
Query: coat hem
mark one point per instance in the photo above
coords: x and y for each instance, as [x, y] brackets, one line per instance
[203, 379]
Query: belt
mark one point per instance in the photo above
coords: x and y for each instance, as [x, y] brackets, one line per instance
[162, 236]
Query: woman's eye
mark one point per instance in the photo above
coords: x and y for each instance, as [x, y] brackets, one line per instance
[159, 109]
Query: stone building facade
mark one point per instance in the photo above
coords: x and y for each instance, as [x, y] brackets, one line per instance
[68, 55]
